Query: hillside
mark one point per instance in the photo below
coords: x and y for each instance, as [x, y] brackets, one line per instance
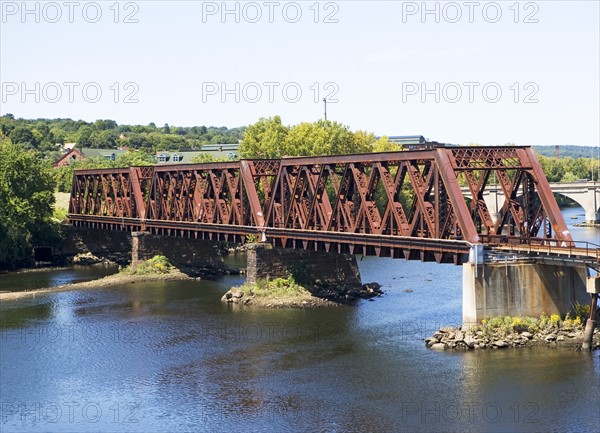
[568, 150]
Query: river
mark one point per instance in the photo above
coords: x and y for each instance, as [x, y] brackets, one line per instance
[169, 356]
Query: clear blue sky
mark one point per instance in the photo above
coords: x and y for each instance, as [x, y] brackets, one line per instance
[387, 62]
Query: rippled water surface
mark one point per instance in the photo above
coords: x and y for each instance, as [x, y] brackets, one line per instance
[170, 356]
[51, 277]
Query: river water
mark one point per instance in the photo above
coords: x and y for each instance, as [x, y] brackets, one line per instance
[169, 356]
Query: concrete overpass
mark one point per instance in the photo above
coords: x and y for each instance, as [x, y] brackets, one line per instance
[586, 194]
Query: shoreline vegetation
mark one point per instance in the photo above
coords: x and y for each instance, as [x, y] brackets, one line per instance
[288, 293]
[155, 269]
[504, 332]
[275, 293]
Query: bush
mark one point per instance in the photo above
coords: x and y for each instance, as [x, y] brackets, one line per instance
[155, 265]
[277, 287]
[251, 239]
[506, 325]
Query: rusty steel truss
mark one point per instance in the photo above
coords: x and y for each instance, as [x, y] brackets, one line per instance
[400, 204]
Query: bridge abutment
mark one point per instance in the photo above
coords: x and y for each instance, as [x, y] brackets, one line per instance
[521, 288]
[311, 268]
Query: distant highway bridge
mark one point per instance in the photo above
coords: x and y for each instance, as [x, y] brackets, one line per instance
[586, 194]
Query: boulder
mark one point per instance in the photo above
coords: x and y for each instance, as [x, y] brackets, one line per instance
[237, 293]
[372, 287]
[469, 341]
[431, 341]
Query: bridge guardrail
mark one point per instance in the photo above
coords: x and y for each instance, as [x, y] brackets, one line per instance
[583, 249]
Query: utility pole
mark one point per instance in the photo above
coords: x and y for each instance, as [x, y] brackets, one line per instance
[325, 104]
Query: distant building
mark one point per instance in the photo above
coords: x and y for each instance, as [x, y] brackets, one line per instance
[415, 142]
[407, 139]
[217, 151]
[75, 154]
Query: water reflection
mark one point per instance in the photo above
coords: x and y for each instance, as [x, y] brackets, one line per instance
[169, 356]
[499, 390]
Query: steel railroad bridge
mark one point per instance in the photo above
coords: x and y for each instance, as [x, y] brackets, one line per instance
[406, 204]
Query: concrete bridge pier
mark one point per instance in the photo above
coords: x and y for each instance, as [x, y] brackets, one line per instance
[592, 217]
[310, 268]
[593, 288]
[520, 288]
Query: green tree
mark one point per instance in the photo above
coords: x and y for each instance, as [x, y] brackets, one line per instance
[104, 125]
[553, 168]
[385, 145]
[26, 199]
[268, 138]
[85, 134]
[264, 139]
[134, 158]
[24, 136]
[205, 157]
[569, 177]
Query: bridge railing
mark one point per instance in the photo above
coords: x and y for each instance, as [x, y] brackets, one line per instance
[574, 248]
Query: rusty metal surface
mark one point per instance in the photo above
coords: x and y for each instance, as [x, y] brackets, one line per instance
[391, 203]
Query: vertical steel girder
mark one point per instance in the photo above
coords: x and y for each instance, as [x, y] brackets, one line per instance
[410, 194]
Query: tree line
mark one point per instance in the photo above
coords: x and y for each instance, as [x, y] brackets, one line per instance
[46, 135]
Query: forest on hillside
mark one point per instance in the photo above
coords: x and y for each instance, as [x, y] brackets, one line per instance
[568, 151]
[47, 135]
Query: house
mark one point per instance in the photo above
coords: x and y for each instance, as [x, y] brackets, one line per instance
[85, 153]
[217, 151]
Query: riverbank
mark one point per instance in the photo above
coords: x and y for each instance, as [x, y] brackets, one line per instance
[108, 281]
[555, 334]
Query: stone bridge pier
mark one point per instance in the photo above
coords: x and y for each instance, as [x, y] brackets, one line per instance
[194, 255]
[338, 272]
